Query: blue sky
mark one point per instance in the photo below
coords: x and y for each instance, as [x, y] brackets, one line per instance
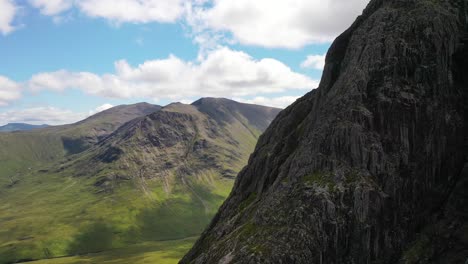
[63, 60]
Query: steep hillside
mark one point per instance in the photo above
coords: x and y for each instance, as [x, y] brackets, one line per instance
[20, 151]
[80, 136]
[10, 127]
[157, 177]
[371, 167]
[210, 134]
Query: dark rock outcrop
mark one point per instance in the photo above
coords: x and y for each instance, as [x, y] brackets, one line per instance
[371, 167]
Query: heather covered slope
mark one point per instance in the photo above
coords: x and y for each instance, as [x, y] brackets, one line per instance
[156, 178]
[371, 167]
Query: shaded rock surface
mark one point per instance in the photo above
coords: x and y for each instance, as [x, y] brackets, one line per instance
[371, 167]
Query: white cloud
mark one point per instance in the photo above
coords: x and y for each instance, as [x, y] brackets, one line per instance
[51, 7]
[42, 115]
[8, 10]
[103, 107]
[284, 24]
[186, 101]
[141, 11]
[223, 73]
[119, 11]
[316, 62]
[9, 91]
[280, 102]
[276, 24]
[48, 115]
[266, 23]
[60, 80]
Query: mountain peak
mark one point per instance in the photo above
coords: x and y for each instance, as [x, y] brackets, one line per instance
[371, 167]
[180, 108]
[184, 139]
[210, 100]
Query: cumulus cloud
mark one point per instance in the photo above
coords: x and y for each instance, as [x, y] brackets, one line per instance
[276, 24]
[186, 101]
[316, 62]
[141, 11]
[42, 115]
[266, 23]
[8, 11]
[103, 107]
[224, 73]
[120, 11]
[280, 102]
[9, 91]
[48, 115]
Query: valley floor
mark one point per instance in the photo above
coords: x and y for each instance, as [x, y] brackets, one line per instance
[161, 252]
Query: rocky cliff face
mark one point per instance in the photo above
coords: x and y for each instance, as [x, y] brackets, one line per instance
[371, 167]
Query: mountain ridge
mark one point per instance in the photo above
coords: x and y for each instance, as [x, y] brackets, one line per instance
[200, 125]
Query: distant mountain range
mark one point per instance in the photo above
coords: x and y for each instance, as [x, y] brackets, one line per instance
[10, 127]
[126, 176]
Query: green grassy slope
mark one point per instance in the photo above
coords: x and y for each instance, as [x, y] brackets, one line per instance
[51, 215]
[157, 178]
[165, 252]
[21, 152]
